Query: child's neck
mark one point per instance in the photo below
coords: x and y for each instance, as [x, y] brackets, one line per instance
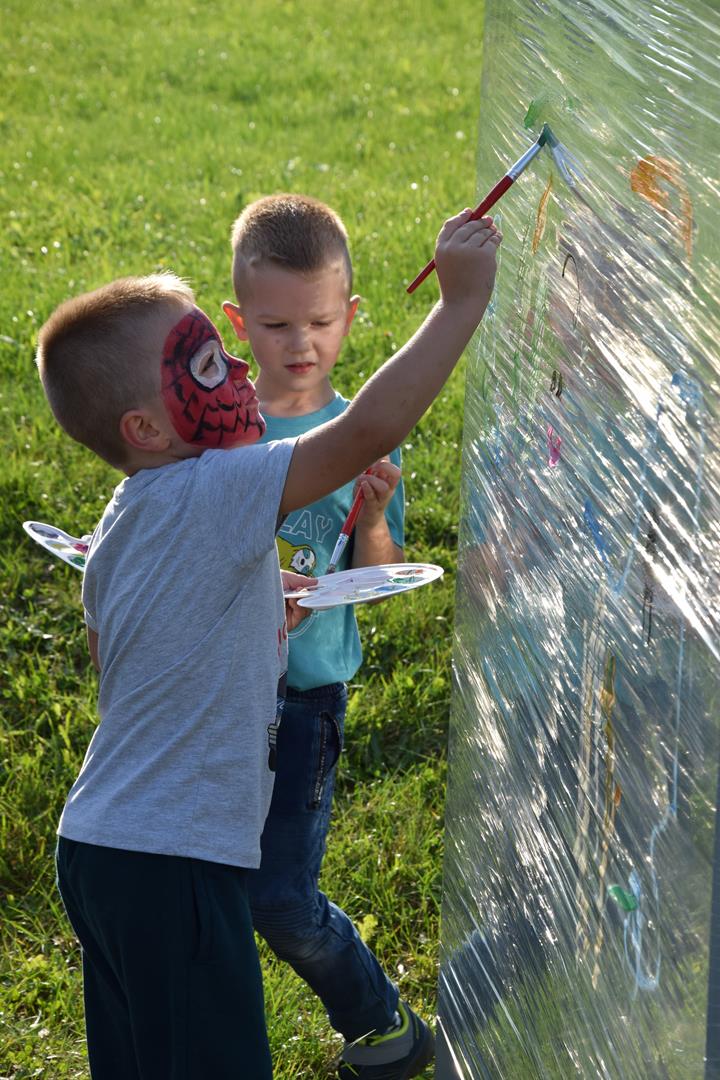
[285, 402]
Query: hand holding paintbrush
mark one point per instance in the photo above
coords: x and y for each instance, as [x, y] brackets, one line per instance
[374, 542]
[565, 162]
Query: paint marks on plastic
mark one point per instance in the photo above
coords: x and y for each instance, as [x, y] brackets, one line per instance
[650, 179]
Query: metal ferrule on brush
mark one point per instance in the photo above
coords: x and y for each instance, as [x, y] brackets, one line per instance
[522, 163]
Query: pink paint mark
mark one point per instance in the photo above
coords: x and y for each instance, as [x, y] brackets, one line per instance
[554, 443]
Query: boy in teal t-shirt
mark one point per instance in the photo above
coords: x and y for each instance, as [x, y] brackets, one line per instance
[293, 280]
[326, 647]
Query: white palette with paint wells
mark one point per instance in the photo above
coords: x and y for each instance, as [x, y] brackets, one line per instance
[366, 583]
[357, 586]
[71, 549]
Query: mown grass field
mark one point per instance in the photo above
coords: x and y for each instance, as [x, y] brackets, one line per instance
[132, 135]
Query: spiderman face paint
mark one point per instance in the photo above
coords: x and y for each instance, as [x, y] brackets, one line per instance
[206, 392]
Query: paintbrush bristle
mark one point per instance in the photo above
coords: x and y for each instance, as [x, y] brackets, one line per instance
[546, 137]
[566, 163]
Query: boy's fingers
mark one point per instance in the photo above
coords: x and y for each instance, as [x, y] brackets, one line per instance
[296, 581]
[482, 227]
[388, 472]
[462, 228]
[374, 488]
[484, 236]
[378, 479]
[473, 224]
[453, 224]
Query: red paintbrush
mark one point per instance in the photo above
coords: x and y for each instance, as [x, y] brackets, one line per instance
[562, 159]
[346, 531]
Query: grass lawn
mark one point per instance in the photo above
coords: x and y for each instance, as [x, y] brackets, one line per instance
[132, 135]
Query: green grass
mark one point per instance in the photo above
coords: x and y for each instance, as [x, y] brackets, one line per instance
[133, 134]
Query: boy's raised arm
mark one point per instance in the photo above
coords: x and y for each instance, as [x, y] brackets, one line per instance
[396, 396]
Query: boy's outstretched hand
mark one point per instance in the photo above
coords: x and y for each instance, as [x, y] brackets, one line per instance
[465, 257]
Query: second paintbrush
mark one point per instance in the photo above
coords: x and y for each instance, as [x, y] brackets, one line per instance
[346, 531]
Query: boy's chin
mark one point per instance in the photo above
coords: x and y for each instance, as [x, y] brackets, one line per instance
[258, 429]
[253, 434]
[254, 431]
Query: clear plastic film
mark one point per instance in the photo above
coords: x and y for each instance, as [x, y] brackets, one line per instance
[578, 936]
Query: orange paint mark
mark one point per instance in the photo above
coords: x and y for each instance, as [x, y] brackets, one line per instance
[646, 179]
[541, 216]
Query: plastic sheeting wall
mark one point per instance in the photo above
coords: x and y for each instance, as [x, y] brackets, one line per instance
[584, 748]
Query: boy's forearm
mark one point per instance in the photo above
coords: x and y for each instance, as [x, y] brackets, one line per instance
[386, 408]
[375, 546]
[392, 401]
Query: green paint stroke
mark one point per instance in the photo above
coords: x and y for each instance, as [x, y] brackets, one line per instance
[624, 899]
[542, 105]
[535, 108]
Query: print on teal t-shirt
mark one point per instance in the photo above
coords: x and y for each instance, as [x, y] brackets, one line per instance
[325, 648]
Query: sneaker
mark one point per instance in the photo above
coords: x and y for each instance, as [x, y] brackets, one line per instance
[398, 1054]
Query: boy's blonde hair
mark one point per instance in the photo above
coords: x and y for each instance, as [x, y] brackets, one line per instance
[296, 232]
[94, 360]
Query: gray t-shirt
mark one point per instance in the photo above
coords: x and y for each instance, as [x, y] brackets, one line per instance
[183, 588]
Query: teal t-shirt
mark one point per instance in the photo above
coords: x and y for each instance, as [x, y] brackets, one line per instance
[325, 647]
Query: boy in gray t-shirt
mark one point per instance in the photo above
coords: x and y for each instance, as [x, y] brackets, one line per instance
[186, 625]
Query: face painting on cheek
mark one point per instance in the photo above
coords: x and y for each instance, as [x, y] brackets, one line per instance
[206, 392]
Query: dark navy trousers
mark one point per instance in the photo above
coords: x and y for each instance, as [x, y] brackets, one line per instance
[171, 976]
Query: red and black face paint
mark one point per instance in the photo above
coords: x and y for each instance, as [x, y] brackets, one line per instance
[207, 393]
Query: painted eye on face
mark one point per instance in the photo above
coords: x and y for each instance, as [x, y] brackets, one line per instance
[206, 392]
[208, 366]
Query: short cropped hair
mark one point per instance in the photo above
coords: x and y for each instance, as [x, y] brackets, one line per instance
[94, 361]
[296, 232]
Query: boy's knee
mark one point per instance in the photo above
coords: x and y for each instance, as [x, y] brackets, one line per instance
[292, 933]
[313, 935]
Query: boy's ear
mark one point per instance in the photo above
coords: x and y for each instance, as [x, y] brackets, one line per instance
[233, 313]
[352, 308]
[141, 430]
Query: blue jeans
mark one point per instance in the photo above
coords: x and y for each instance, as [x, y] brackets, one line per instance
[298, 921]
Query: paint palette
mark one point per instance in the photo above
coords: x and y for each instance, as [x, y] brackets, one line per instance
[366, 583]
[71, 549]
[346, 587]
